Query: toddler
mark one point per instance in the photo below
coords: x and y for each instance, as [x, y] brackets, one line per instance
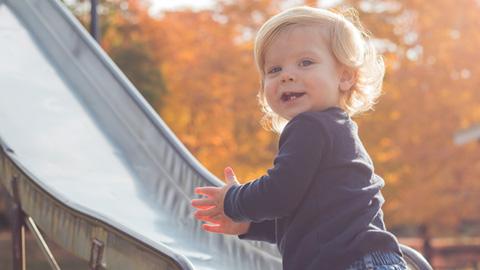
[321, 201]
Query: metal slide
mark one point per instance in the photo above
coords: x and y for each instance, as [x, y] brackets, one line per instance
[93, 164]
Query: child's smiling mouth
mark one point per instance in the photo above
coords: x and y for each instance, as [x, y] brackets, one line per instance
[290, 96]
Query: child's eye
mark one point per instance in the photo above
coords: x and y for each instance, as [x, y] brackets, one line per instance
[274, 70]
[305, 63]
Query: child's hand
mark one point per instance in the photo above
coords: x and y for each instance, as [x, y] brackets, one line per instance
[210, 209]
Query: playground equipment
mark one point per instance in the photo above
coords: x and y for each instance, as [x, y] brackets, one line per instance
[86, 161]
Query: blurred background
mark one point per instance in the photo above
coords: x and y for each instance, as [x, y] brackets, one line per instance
[193, 62]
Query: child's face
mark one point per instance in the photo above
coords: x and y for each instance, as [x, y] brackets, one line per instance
[301, 72]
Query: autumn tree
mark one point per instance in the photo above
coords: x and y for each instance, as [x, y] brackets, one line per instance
[205, 60]
[430, 49]
[212, 87]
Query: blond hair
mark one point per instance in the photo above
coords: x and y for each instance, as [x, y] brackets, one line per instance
[350, 44]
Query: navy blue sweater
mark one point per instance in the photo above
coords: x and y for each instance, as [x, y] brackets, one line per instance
[321, 201]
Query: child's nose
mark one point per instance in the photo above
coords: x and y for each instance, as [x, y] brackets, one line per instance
[288, 76]
[289, 79]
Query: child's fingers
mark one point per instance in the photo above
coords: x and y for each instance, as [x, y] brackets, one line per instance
[214, 228]
[207, 212]
[209, 191]
[215, 219]
[202, 203]
[204, 207]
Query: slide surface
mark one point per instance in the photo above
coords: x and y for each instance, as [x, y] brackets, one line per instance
[92, 160]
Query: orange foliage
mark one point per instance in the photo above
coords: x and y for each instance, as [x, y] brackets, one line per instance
[431, 52]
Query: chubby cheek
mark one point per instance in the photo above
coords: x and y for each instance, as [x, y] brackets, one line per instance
[270, 90]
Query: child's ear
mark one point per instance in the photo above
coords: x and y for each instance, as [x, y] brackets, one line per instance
[347, 79]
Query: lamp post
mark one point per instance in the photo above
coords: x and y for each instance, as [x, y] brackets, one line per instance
[94, 20]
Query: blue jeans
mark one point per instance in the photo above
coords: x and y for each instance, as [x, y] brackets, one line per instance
[379, 260]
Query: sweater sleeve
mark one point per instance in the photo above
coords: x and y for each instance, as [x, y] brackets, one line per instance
[278, 193]
[263, 231]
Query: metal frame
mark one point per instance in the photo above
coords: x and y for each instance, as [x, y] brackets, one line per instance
[18, 229]
[42, 244]
[96, 254]
[19, 221]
